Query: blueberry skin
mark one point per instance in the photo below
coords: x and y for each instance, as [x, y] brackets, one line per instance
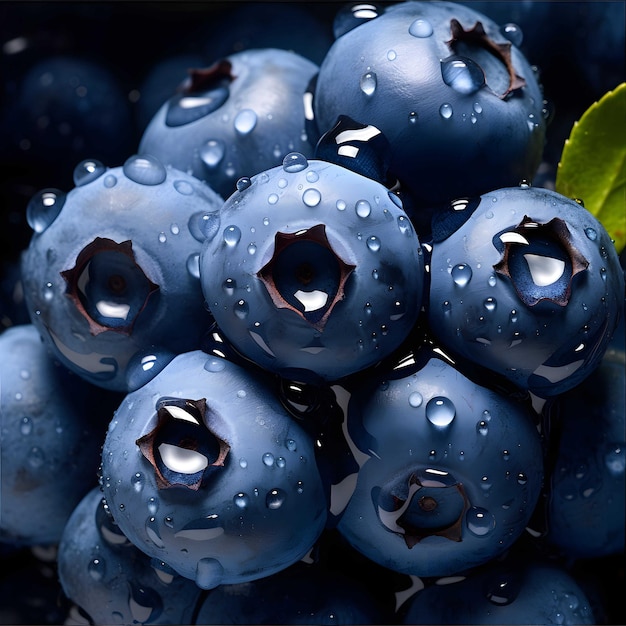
[544, 326]
[313, 228]
[450, 472]
[586, 510]
[452, 132]
[111, 273]
[53, 424]
[257, 513]
[301, 594]
[113, 581]
[242, 121]
[533, 592]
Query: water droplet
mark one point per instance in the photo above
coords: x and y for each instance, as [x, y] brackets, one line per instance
[138, 482]
[492, 280]
[215, 365]
[413, 117]
[478, 108]
[26, 425]
[204, 226]
[490, 304]
[368, 83]
[268, 459]
[145, 170]
[603, 273]
[110, 181]
[44, 208]
[445, 110]
[229, 286]
[193, 265]
[591, 233]
[404, 225]
[232, 235]
[243, 463]
[513, 316]
[312, 176]
[522, 479]
[461, 274]
[373, 243]
[440, 411]
[153, 505]
[463, 75]
[87, 171]
[391, 55]
[295, 162]
[281, 462]
[482, 428]
[275, 498]
[209, 573]
[184, 187]
[241, 500]
[251, 248]
[615, 459]
[212, 153]
[36, 457]
[479, 521]
[291, 445]
[243, 183]
[513, 33]
[271, 199]
[311, 197]
[241, 309]
[97, 569]
[245, 121]
[421, 28]
[415, 399]
[363, 208]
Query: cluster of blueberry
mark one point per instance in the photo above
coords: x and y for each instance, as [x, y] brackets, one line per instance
[317, 351]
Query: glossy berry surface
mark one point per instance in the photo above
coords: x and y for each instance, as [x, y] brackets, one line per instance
[111, 580]
[52, 426]
[203, 469]
[239, 116]
[526, 283]
[449, 470]
[313, 268]
[459, 103]
[111, 272]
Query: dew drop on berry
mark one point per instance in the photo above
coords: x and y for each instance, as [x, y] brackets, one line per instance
[183, 187]
[479, 521]
[363, 208]
[145, 170]
[272, 199]
[97, 569]
[212, 153]
[245, 121]
[44, 208]
[513, 33]
[373, 243]
[138, 482]
[109, 181]
[461, 274]
[615, 459]
[193, 265]
[440, 411]
[87, 171]
[215, 365]
[445, 110]
[482, 428]
[291, 445]
[591, 234]
[241, 309]
[275, 498]
[241, 500]
[243, 183]
[368, 83]
[232, 235]
[421, 28]
[463, 75]
[490, 304]
[415, 399]
[295, 162]
[311, 197]
[268, 459]
[36, 457]
[26, 425]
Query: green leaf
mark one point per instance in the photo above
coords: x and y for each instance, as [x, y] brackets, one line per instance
[593, 163]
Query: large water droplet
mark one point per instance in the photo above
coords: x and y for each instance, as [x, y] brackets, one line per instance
[479, 521]
[363, 208]
[145, 170]
[513, 33]
[311, 197]
[245, 121]
[373, 243]
[243, 183]
[212, 153]
[440, 411]
[461, 274]
[232, 235]
[44, 208]
[268, 459]
[463, 75]
[275, 498]
[421, 28]
[368, 83]
[445, 110]
[203, 226]
[295, 162]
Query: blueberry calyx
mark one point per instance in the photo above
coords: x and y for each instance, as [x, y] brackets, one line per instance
[181, 448]
[476, 36]
[203, 79]
[306, 275]
[540, 260]
[108, 287]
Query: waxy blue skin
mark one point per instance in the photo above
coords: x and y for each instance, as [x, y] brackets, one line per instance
[260, 120]
[260, 512]
[112, 580]
[160, 217]
[379, 73]
[430, 421]
[479, 315]
[366, 228]
[53, 423]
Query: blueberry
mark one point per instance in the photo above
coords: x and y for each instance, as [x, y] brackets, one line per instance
[458, 101]
[315, 268]
[240, 115]
[111, 273]
[113, 581]
[450, 471]
[203, 469]
[52, 428]
[521, 591]
[528, 286]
